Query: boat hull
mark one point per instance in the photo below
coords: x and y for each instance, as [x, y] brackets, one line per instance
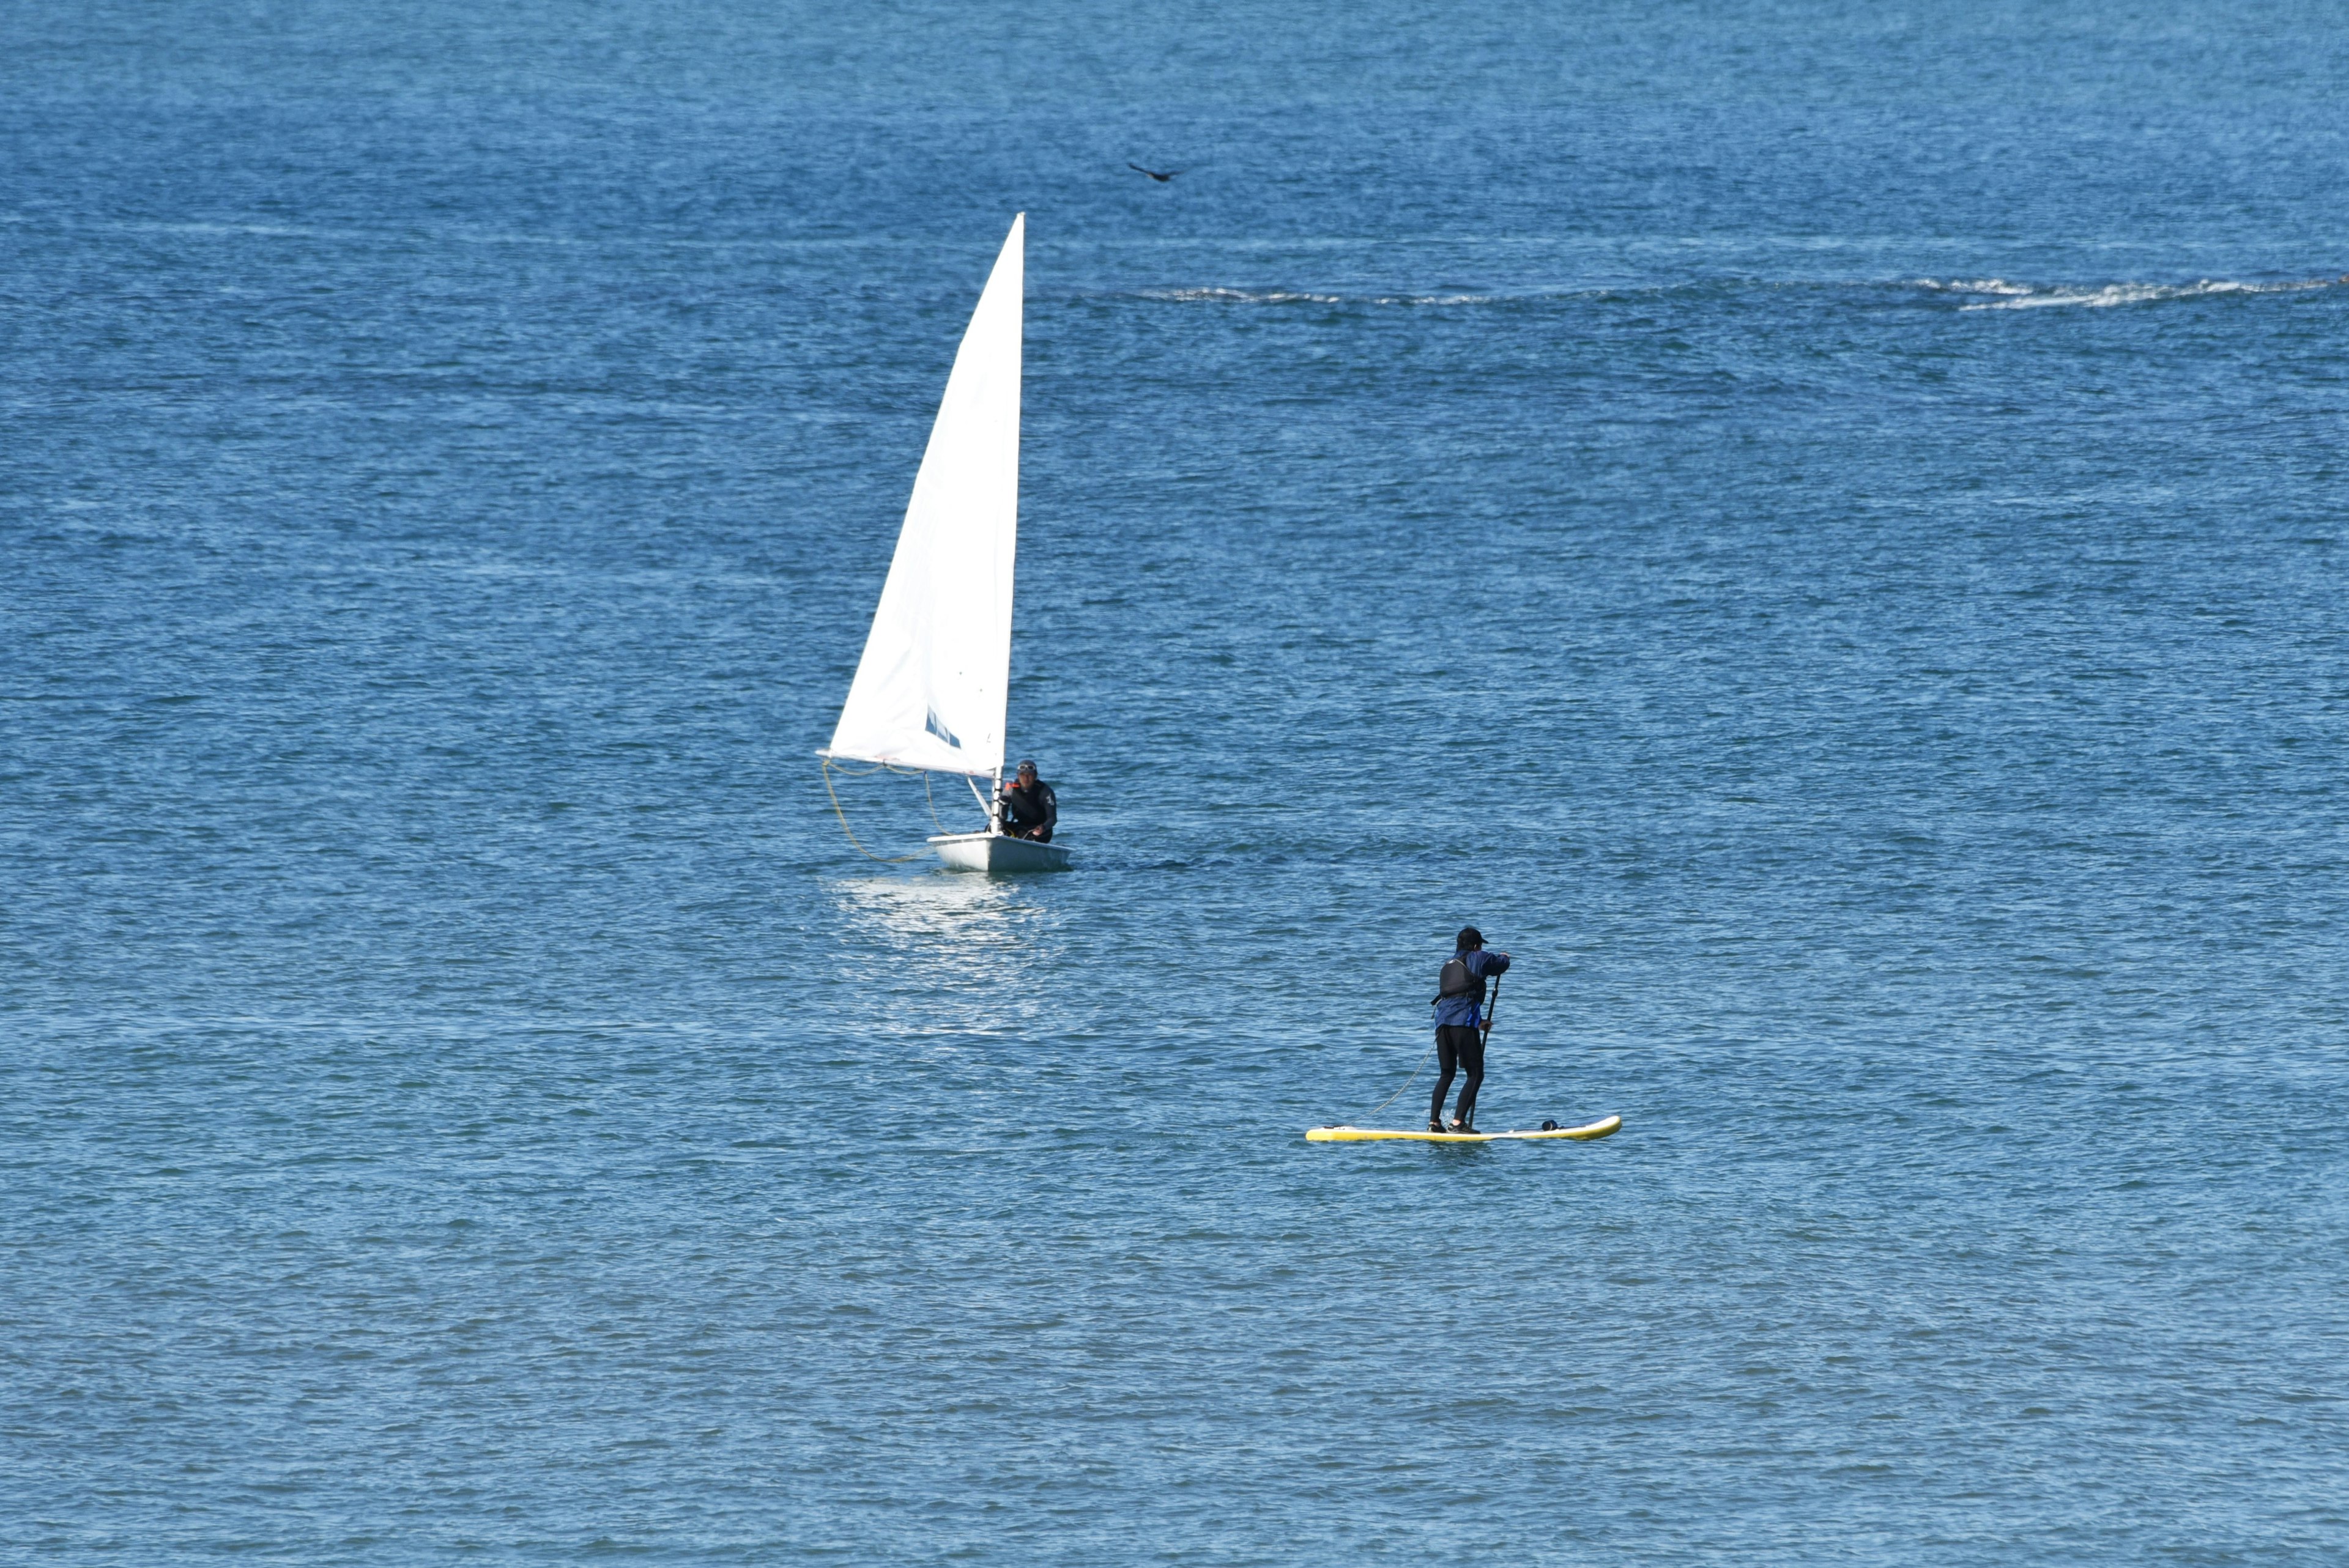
[999, 852]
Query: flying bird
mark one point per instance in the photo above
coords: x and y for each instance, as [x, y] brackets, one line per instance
[1162, 179]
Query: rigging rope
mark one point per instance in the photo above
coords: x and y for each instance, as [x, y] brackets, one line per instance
[941, 827]
[868, 855]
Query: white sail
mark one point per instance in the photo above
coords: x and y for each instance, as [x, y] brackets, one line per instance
[931, 688]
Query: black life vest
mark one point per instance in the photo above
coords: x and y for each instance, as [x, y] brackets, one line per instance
[1457, 981]
[1031, 807]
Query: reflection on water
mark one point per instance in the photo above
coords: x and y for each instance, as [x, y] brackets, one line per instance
[988, 939]
[925, 906]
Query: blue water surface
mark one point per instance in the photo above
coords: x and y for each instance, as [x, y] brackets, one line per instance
[1818, 526]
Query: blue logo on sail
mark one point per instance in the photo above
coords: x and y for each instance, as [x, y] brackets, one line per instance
[941, 731]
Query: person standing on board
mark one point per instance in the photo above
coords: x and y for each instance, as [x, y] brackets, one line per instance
[1460, 1025]
[1030, 809]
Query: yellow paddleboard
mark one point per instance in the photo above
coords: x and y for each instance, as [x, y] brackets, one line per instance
[1378, 1135]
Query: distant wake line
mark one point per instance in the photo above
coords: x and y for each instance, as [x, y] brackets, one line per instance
[1300, 296]
[2027, 296]
[1990, 293]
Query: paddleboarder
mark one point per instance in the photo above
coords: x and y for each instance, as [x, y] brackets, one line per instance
[1462, 1022]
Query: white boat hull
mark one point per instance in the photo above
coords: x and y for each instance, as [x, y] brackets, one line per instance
[999, 852]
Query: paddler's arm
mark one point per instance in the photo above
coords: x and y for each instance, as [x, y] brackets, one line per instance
[1494, 964]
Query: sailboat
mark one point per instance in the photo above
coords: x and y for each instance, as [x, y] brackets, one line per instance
[931, 692]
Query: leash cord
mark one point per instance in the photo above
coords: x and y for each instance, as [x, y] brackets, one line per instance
[1406, 1083]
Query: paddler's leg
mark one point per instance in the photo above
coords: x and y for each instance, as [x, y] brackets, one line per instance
[1445, 1061]
[1472, 1068]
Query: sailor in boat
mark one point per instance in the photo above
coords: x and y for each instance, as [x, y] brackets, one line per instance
[1028, 807]
[1462, 1024]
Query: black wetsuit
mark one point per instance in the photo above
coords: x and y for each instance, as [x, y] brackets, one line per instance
[1032, 808]
[1457, 1045]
